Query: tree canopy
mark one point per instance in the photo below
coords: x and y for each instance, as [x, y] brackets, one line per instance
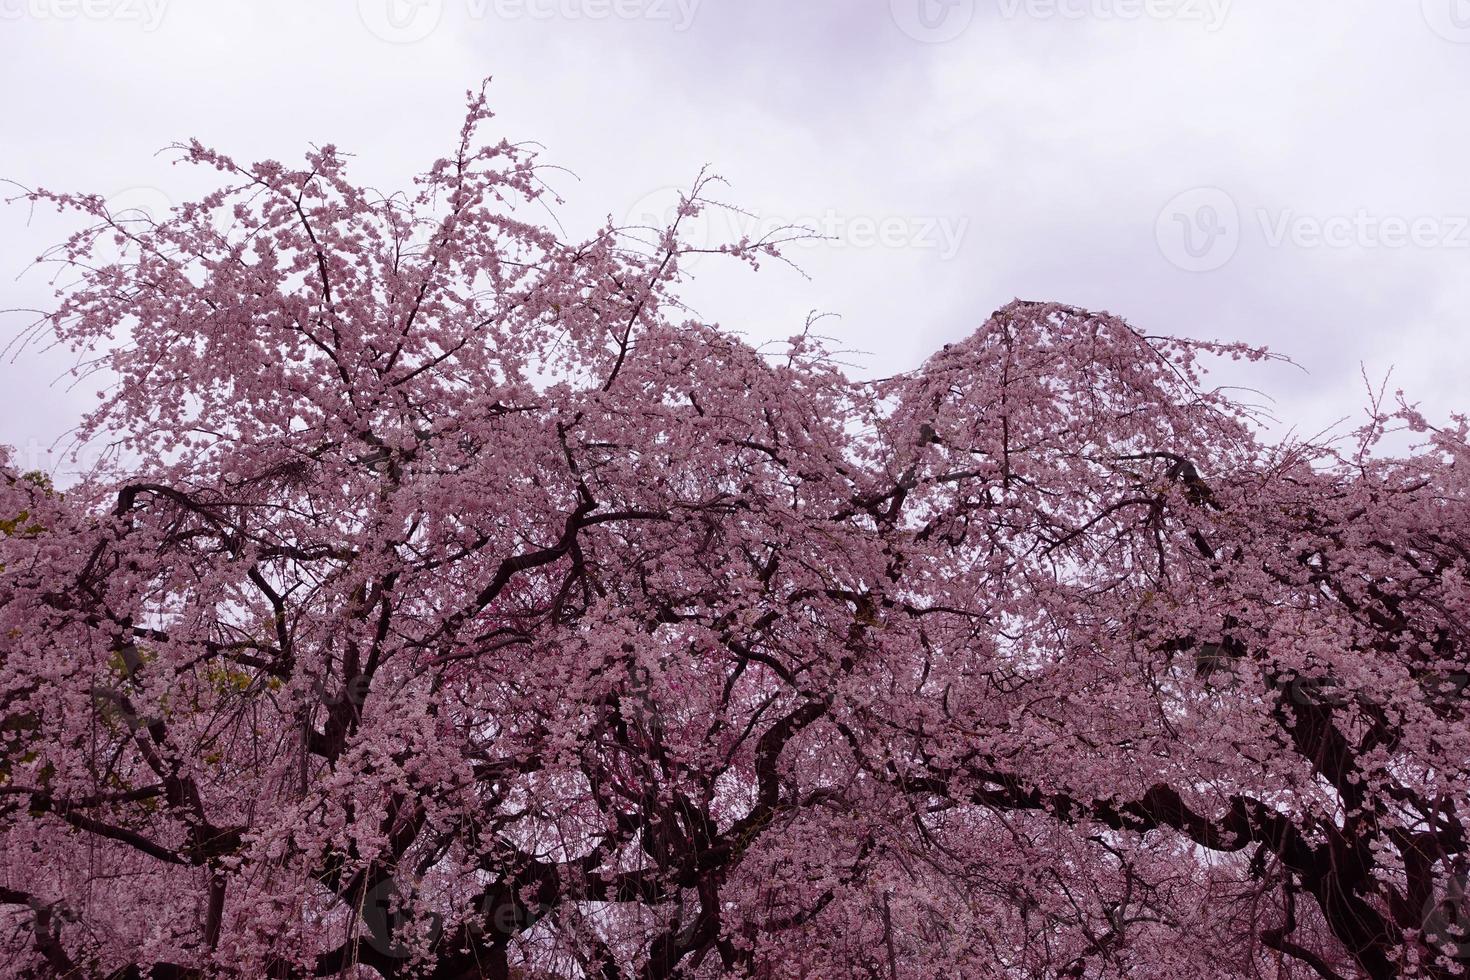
[455, 604]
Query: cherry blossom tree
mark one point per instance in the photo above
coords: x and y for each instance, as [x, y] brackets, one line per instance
[450, 602]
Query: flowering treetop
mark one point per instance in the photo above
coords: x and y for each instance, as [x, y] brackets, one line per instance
[454, 606]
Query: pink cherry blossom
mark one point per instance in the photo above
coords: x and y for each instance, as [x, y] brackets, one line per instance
[451, 604]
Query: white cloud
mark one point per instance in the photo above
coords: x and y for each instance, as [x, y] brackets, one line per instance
[1054, 141]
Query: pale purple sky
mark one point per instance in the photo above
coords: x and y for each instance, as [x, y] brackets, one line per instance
[1290, 173]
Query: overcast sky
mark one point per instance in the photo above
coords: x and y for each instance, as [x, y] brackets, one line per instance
[1289, 172]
